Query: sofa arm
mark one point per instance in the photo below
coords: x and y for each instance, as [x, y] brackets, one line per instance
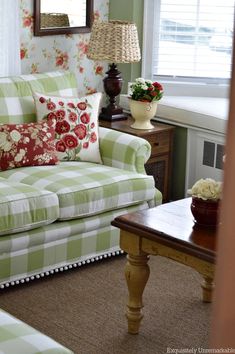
[123, 150]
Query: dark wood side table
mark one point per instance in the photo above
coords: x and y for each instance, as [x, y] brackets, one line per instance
[161, 140]
[168, 231]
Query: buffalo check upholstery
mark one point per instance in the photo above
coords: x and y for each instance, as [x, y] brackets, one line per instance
[126, 152]
[80, 198]
[84, 188]
[123, 150]
[18, 337]
[62, 244]
[24, 207]
[53, 218]
[16, 99]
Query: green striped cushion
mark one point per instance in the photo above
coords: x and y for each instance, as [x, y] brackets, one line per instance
[85, 188]
[24, 207]
[17, 337]
[16, 100]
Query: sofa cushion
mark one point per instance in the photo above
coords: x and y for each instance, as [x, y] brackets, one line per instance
[85, 188]
[17, 337]
[24, 207]
[76, 125]
[25, 144]
[16, 98]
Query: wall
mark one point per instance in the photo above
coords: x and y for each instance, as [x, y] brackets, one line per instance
[47, 53]
[131, 10]
[179, 163]
[40, 54]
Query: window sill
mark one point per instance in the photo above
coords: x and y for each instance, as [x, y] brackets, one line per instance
[209, 113]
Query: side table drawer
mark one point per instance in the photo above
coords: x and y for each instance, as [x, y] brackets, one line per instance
[160, 143]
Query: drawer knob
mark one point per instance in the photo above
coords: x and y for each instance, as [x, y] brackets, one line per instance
[156, 144]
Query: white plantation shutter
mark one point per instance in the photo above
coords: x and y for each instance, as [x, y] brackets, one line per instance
[191, 38]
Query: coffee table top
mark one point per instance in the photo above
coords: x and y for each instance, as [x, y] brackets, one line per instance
[172, 224]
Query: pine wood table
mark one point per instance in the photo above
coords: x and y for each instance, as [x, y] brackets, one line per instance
[169, 231]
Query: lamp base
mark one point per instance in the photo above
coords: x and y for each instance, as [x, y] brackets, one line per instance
[112, 88]
[112, 114]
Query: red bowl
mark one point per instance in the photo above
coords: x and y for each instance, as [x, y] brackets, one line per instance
[205, 212]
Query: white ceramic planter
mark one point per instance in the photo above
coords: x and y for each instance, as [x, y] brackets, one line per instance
[142, 112]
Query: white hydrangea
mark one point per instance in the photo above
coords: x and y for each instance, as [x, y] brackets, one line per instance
[206, 189]
[144, 87]
[140, 80]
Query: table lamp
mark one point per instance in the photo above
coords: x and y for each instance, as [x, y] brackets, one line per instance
[115, 42]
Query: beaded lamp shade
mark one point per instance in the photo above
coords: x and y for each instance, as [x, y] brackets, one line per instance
[115, 42]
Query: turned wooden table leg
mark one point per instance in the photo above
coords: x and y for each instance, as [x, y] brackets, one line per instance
[207, 289]
[137, 274]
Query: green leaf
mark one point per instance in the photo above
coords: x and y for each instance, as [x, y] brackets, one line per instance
[78, 149]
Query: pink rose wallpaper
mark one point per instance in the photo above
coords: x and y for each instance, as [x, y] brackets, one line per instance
[61, 52]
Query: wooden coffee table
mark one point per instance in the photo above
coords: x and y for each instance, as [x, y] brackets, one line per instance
[169, 231]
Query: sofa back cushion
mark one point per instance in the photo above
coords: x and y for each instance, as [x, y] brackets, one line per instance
[16, 99]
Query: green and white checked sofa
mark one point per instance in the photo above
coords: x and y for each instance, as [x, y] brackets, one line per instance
[53, 218]
[16, 337]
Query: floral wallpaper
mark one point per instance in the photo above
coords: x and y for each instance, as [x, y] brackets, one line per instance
[66, 52]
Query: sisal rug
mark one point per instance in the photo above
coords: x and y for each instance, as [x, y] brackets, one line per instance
[83, 309]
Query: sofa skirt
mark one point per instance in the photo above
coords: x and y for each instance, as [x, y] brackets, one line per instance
[59, 246]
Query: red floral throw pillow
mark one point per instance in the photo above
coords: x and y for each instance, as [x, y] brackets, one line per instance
[27, 145]
[76, 127]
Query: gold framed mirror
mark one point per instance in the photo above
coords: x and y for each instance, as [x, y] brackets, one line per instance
[62, 17]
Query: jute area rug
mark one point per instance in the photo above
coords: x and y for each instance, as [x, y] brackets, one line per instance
[84, 308]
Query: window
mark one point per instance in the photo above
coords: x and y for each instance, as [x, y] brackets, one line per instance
[188, 40]
[9, 38]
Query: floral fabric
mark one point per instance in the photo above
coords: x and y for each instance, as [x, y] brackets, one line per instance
[65, 52]
[27, 145]
[76, 125]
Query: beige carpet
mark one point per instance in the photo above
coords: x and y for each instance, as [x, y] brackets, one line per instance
[84, 308]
